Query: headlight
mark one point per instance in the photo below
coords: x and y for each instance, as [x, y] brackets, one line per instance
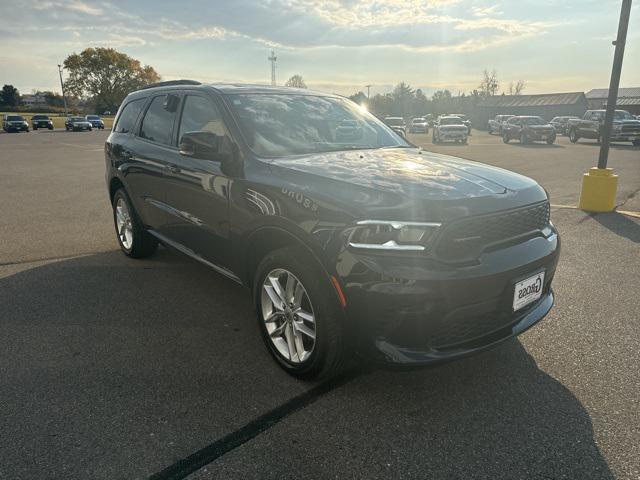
[392, 235]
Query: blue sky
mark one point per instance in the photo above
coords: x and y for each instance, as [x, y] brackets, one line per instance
[336, 45]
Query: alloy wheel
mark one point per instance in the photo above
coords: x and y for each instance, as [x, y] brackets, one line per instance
[123, 224]
[288, 315]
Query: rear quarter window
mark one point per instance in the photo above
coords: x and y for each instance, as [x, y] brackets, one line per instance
[127, 119]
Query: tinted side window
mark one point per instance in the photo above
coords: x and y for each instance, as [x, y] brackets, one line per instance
[128, 117]
[201, 114]
[157, 124]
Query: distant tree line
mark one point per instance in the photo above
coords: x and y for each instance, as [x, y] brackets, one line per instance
[405, 101]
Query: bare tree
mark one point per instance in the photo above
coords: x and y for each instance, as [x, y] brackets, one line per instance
[489, 85]
[296, 81]
[516, 88]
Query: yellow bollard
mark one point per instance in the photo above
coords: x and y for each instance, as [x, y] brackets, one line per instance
[599, 187]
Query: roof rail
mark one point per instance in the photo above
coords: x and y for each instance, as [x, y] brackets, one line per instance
[171, 82]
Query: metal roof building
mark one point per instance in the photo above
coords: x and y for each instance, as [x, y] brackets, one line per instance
[628, 99]
[546, 105]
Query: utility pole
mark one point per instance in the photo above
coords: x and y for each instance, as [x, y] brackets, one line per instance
[623, 25]
[368, 90]
[273, 59]
[600, 184]
[64, 99]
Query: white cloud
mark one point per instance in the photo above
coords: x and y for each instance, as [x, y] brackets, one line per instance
[72, 5]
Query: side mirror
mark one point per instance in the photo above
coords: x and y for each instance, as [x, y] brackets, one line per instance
[206, 146]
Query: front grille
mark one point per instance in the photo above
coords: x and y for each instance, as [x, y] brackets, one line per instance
[631, 128]
[465, 239]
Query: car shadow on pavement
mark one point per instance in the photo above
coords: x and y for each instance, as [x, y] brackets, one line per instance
[538, 145]
[116, 368]
[619, 224]
[493, 416]
[612, 146]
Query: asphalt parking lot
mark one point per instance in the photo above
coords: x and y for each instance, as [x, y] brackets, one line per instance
[118, 369]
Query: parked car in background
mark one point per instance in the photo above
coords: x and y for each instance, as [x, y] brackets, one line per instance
[41, 121]
[372, 248]
[464, 119]
[14, 123]
[95, 121]
[419, 125]
[348, 131]
[625, 127]
[495, 124]
[397, 124]
[430, 118]
[560, 123]
[528, 129]
[450, 128]
[77, 124]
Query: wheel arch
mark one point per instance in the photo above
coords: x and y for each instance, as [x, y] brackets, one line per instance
[269, 238]
[114, 185]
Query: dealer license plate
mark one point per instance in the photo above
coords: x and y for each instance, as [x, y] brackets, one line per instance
[527, 291]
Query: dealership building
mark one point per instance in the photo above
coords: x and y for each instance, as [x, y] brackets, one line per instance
[628, 99]
[546, 105]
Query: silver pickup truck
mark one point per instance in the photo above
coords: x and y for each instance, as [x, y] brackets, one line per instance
[495, 124]
[625, 127]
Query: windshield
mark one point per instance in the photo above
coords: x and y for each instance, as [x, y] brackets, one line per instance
[40, 117]
[93, 117]
[419, 120]
[533, 121]
[451, 121]
[282, 124]
[462, 117]
[15, 118]
[77, 119]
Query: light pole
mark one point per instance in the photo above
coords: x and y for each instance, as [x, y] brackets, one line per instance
[625, 12]
[600, 184]
[368, 90]
[64, 99]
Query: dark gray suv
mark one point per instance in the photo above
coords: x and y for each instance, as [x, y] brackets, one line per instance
[352, 240]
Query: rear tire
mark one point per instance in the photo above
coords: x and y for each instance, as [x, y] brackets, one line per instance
[134, 240]
[287, 342]
[551, 140]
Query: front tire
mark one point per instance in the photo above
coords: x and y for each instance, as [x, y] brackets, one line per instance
[299, 315]
[505, 138]
[523, 139]
[551, 140]
[133, 239]
[573, 136]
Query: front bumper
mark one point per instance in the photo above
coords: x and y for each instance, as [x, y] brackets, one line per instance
[17, 128]
[445, 136]
[624, 136]
[418, 311]
[540, 136]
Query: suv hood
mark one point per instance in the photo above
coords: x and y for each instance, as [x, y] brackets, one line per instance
[410, 172]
